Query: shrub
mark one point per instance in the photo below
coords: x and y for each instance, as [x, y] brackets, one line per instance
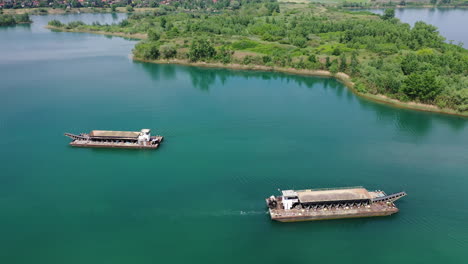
[168, 51]
[124, 23]
[224, 54]
[75, 24]
[201, 49]
[147, 50]
[55, 23]
[336, 51]
[153, 35]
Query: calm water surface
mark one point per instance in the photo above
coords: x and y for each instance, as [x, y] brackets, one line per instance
[452, 23]
[232, 139]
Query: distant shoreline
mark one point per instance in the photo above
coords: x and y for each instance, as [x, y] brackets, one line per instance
[58, 11]
[342, 77]
[105, 10]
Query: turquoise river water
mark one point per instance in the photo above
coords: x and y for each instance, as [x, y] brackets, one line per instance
[232, 138]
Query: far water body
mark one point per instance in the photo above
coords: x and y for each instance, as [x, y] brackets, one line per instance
[451, 22]
[232, 138]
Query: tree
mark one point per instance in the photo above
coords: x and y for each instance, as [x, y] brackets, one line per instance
[266, 59]
[299, 41]
[153, 35]
[113, 8]
[201, 49]
[334, 66]
[225, 54]
[6, 20]
[424, 35]
[422, 85]
[343, 64]
[168, 51]
[235, 5]
[55, 23]
[327, 63]
[273, 7]
[147, 50]
[312, 58]
[124, 23]
[154, 4]
[336, 51]
[163, 22]
[130, 8]
[388, 14]
[354, 63]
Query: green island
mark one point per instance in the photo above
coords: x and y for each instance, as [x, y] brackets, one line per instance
[9, 20]
[377, 56]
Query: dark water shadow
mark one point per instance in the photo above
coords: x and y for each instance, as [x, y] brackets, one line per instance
[26, 27]
[417, 123]
[205, 78]
[158, 72]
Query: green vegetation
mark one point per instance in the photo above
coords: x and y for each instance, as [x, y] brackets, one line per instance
[8, 20]
[380, 53]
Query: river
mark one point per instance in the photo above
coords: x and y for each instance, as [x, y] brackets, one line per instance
[232, 138]
[451, 22]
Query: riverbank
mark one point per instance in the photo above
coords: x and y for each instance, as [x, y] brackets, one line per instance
[377, 65]
[342, 77]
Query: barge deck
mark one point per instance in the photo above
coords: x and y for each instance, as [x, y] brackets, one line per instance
[116, 139]
[311, 205]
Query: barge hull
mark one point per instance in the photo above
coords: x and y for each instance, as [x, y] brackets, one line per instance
[84, 145]
[94, 144]
[331, 217]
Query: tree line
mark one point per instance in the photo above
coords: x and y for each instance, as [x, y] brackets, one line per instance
[8, 20]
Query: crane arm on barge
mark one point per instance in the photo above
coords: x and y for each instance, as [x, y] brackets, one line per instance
[77, 137]
[389, 198]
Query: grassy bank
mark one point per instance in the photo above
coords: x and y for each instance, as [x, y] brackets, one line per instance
[117, 34]
[387, 60]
